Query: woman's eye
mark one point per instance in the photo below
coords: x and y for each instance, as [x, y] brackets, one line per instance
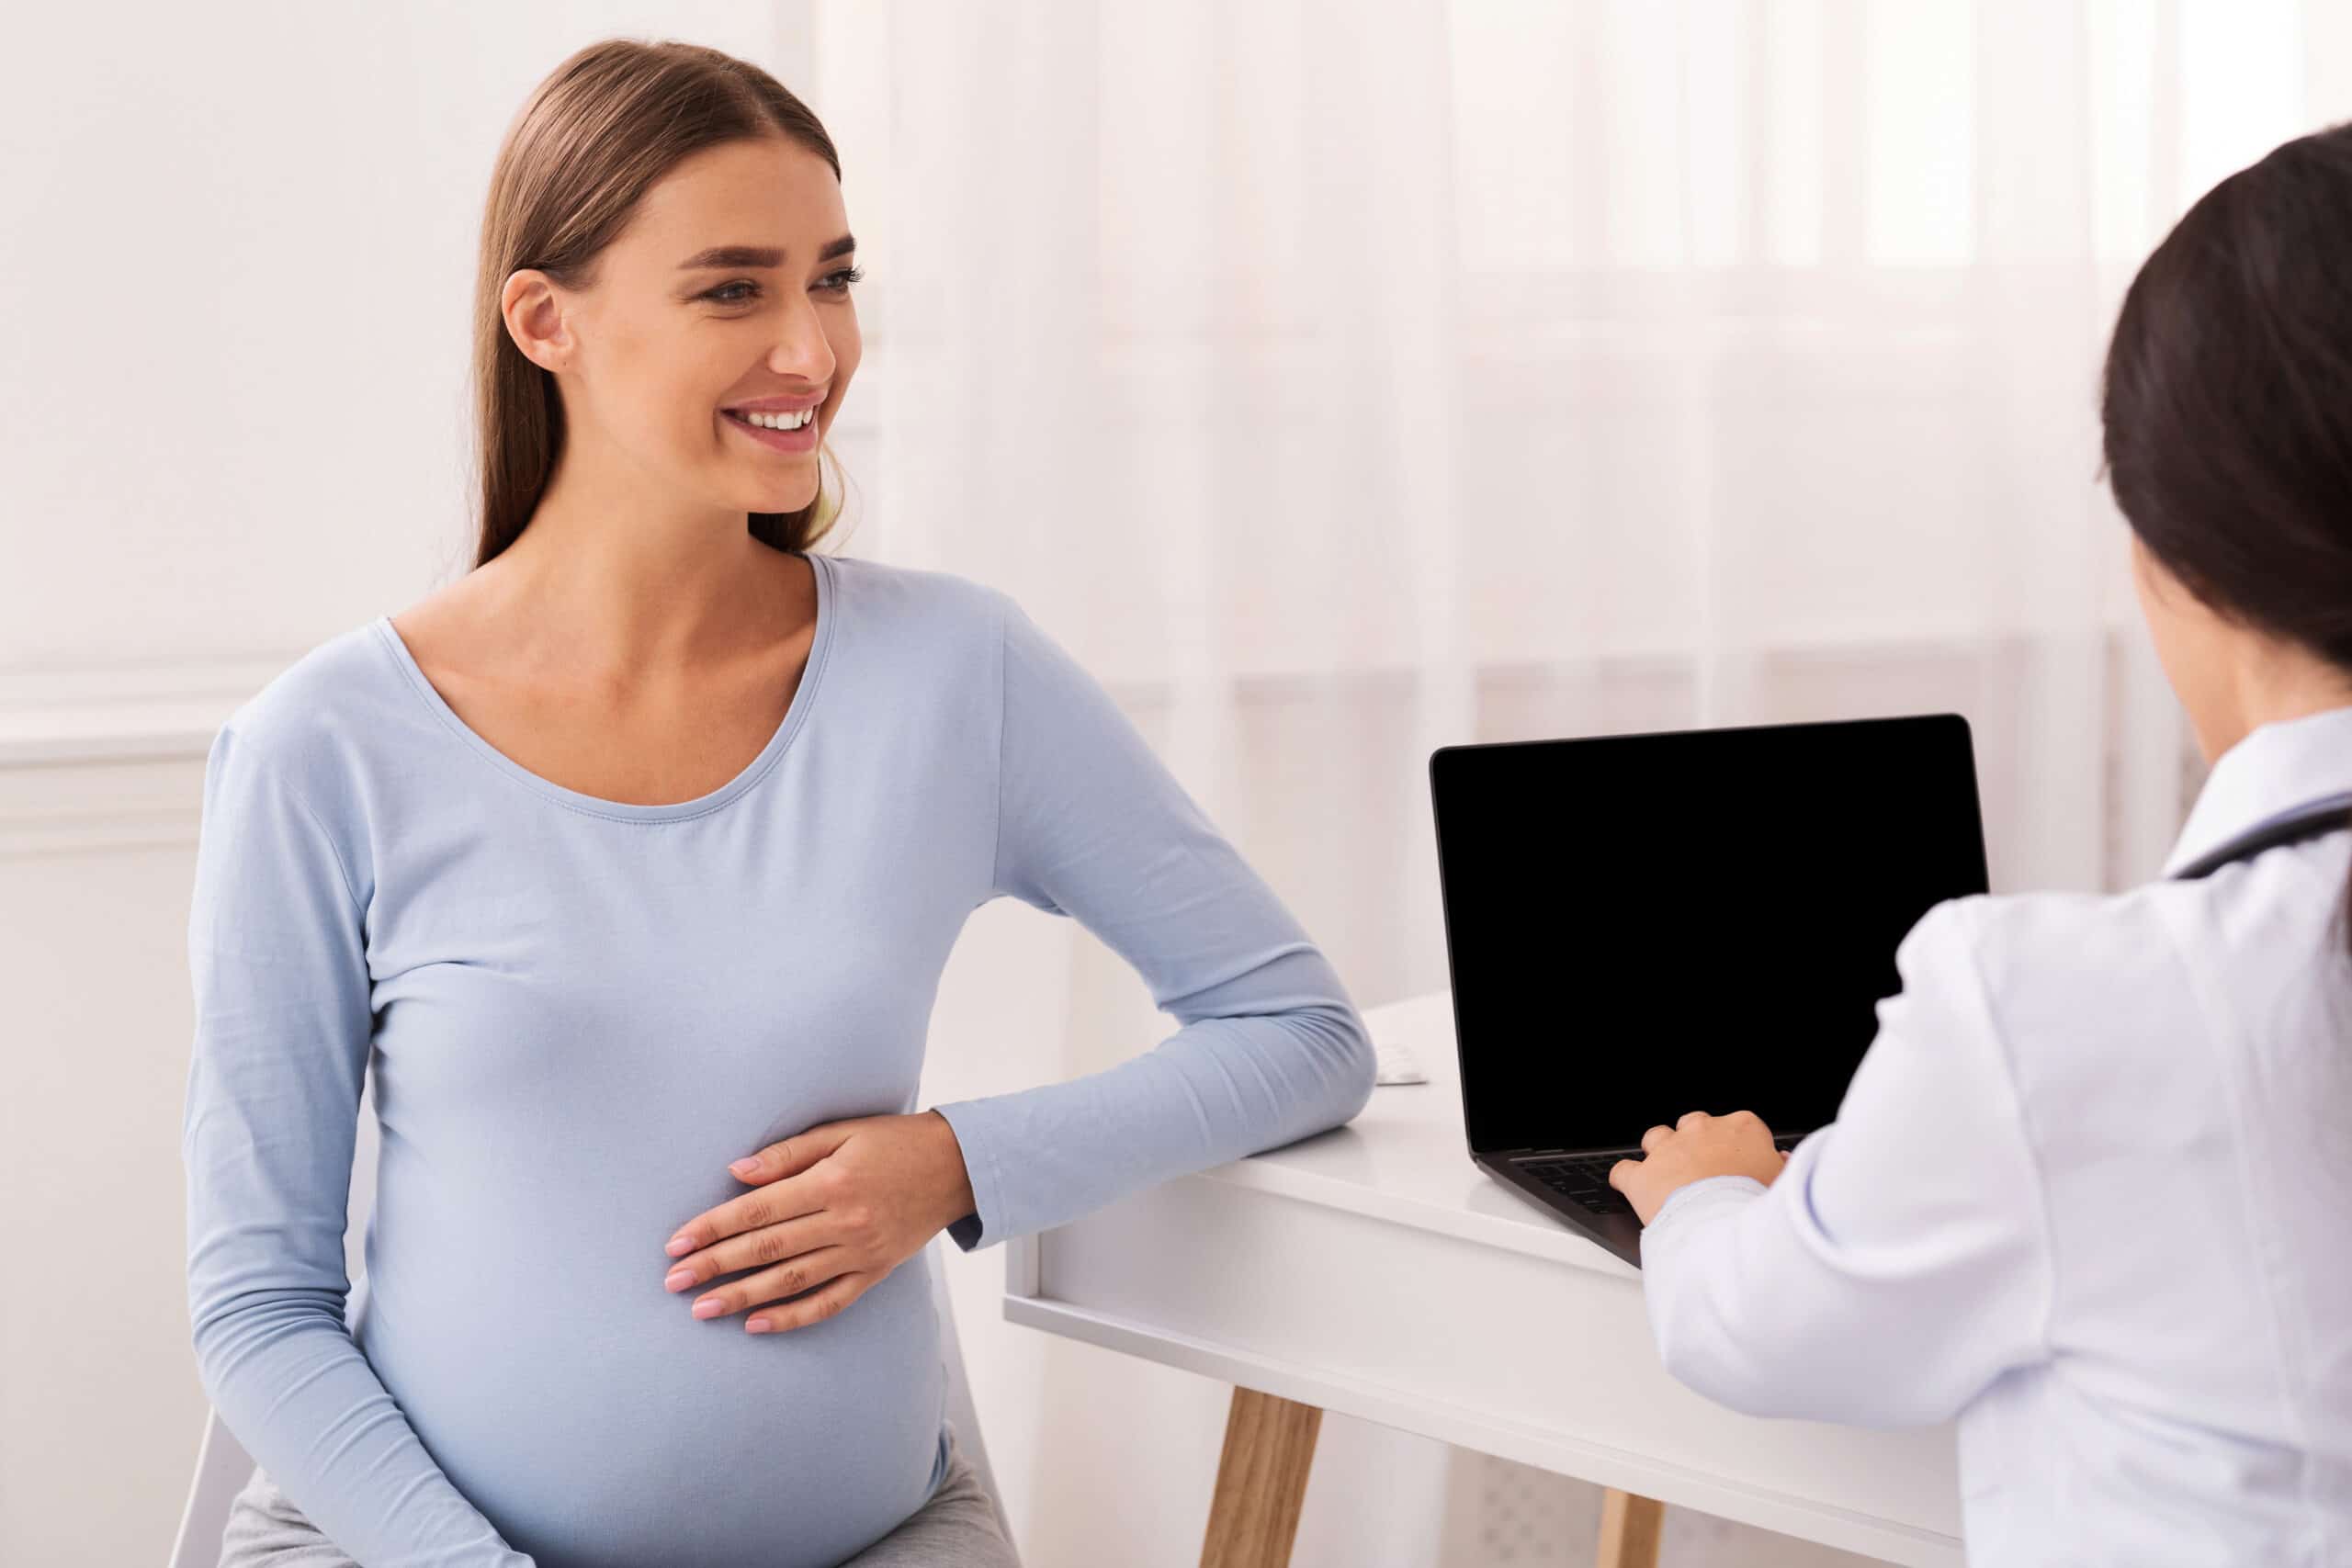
[835, 282]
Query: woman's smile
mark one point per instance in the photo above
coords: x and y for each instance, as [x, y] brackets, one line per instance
[781, 435]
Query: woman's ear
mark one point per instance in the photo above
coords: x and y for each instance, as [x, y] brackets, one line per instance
[536, 319]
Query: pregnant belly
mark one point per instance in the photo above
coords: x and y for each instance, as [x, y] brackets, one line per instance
[598, 1424]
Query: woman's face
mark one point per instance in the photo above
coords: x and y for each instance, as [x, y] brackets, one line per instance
[672, 334]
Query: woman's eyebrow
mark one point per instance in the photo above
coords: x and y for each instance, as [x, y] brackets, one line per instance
[758, 255]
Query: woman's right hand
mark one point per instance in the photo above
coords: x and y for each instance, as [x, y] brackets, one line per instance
[1697, 1147]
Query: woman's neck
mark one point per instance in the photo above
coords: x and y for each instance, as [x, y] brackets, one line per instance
[2271, 685]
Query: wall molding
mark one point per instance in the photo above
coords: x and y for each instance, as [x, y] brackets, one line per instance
[123, 712]
[107, 758]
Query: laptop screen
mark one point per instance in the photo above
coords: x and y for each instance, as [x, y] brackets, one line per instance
[1641, 925]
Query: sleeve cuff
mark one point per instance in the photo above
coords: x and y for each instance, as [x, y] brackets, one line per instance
[1710, 1192]
[987, 1222]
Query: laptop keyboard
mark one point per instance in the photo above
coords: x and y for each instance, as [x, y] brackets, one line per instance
[1583, 1179]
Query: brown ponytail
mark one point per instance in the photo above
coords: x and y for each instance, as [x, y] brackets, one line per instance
[2227, 403]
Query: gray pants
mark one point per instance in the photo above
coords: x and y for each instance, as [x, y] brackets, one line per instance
[957, 1528]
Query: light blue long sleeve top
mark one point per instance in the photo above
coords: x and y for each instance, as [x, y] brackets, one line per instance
[580, 1010]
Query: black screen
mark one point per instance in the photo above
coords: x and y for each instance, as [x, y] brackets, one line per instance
[1642, 925]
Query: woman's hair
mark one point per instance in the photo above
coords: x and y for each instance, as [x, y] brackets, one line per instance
[2227, 403]
[590, 141]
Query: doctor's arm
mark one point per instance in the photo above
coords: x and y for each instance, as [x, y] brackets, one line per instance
[1900, 1262]
[1090, 824]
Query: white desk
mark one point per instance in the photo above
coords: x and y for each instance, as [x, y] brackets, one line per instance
[1373, 1269]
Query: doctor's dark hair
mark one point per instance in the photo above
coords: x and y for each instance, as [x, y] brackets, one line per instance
[598, 132]
[2227, 403]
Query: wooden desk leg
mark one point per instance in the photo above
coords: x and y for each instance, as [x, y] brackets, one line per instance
[1630, 1529]
[1261, 1480]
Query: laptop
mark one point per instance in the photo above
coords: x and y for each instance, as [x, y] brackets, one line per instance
[1641, 925]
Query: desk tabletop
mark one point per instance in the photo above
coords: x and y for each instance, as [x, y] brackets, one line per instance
[1406, 1158]
[1374, 1271]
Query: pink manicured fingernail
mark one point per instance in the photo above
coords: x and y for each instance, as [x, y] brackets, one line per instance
[759, 1326]
[709, 1306]
[680, 1245]
[744, 1166]
[679, 1279]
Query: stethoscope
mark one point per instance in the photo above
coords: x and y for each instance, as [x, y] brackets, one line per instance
[2326, 815]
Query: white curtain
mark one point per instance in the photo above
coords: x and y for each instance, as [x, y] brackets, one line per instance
[1342, 380]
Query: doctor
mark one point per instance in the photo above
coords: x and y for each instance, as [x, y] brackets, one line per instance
[2090, 1191]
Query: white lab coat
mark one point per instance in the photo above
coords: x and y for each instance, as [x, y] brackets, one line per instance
[2089, 1192]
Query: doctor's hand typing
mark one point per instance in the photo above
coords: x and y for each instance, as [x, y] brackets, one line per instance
[1697, 1147]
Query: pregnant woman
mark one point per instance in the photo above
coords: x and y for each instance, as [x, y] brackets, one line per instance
[635, 853]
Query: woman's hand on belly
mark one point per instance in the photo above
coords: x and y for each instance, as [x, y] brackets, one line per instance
[838, 1207]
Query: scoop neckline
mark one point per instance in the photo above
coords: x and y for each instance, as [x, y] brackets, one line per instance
[795, 714]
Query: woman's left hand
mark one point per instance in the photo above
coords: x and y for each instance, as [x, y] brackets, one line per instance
[839, 1205]
[1698, 1146]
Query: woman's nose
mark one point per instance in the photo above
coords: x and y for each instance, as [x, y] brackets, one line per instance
[803, 349]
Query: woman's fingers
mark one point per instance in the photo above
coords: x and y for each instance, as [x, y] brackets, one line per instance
[786, 1279]
[790, 1156]
[769, 1243]
[808, 1192]
[812, 1308]
[1651, 1139]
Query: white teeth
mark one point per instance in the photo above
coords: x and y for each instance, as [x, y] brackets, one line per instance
[786, 421]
